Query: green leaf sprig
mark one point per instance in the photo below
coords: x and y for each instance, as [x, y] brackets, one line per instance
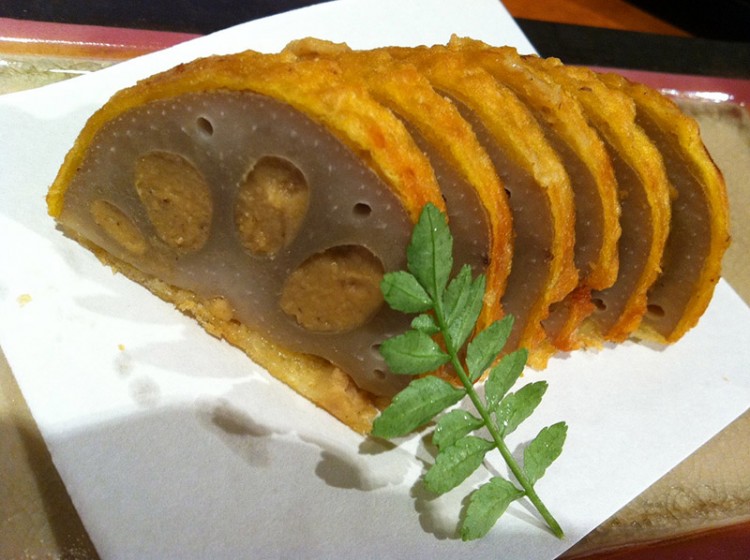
[446, 315]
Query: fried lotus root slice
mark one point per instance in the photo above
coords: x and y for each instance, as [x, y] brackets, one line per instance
[540, 196]
[699, 232]
[582, 152]
[644, 193]
[474, 194]
[337, 168]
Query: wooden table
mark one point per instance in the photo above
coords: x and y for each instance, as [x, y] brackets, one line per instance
[37, 519]
[609, 14]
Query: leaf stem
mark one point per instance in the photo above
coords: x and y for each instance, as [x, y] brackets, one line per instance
[514, 467]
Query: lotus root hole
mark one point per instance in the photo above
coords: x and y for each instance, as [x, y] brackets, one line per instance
[271, 205]
[336, 290]
[118, 226]
[205, 126]
[177, 199]
[362, 209]
[599, 304]
[655, 310]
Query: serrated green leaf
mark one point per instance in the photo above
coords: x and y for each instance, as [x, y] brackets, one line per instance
[412, 353]
[425, 323]
[463, 307]
[455, 463]
[453, 426]
[403, 292]
[486, 345]
[429, 255]
[503, 376]
[486, 505]
[543, 450]
[517, 407]
[457, 305]
[456, 290]
[415, 405]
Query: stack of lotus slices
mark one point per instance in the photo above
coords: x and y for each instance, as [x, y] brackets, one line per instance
[266, 195]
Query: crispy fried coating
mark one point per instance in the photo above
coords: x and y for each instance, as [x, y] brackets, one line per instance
[597, 229]
[314, 88]
[699, 230]
[644, 192]
[589, 202]
[540, 194]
